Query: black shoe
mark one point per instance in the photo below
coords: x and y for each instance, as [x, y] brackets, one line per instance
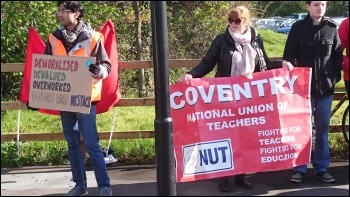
[224, 185]
[242, 181]
[325, 177]
[297, 177]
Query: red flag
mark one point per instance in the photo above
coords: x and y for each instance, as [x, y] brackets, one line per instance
[110, 94]
[110, 86]
[34, 45]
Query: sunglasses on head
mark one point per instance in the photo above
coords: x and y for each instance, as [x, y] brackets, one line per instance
[237, 21]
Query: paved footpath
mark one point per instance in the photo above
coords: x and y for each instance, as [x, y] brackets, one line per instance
[141, 181]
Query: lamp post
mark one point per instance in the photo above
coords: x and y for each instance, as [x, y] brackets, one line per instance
[166, 184]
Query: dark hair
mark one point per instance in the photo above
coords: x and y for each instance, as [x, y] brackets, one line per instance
[72, 6]
[308, 2]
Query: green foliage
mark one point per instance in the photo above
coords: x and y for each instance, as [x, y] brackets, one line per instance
[134, 151]
[33, 153]
[35, 122]
[278, 8]
[10, 86]
[339, 148]
[273, 42]
[9, 157]
[128, 151]
[30, 122]
[337, 8]
[55, 152]
[192, 28]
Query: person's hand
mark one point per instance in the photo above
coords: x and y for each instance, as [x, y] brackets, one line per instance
[185, 78]
[95, 69]
[287, 65]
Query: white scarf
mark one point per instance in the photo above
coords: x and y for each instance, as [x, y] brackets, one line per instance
[243, 59]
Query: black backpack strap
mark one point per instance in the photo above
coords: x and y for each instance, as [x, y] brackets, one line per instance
[256, 45]
[253, 32]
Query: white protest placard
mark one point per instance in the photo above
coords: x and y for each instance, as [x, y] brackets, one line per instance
[61, 83]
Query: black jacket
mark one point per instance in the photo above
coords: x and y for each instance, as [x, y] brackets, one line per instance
[220, 53]
[317, 47]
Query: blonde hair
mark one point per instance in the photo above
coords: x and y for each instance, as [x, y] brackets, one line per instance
[241, 12]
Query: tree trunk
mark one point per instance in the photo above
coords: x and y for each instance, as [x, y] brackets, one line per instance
[138, 23]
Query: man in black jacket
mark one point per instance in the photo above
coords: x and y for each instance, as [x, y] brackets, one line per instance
[314, 42]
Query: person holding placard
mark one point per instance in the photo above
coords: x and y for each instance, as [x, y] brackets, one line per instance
[75, 37]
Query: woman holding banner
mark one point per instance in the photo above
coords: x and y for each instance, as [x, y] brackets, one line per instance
[238, 51]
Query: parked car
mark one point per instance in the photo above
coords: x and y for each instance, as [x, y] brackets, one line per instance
[297, 16]
[286, 26]
[279, 24]
[268, 23]
[263, 23]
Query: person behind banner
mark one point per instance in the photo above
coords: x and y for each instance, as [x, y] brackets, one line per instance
[75, 37]
[237, 51]
[314, 42]
[343, 31]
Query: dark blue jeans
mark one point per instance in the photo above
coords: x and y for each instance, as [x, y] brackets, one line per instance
[321, 110]
[87, 128]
